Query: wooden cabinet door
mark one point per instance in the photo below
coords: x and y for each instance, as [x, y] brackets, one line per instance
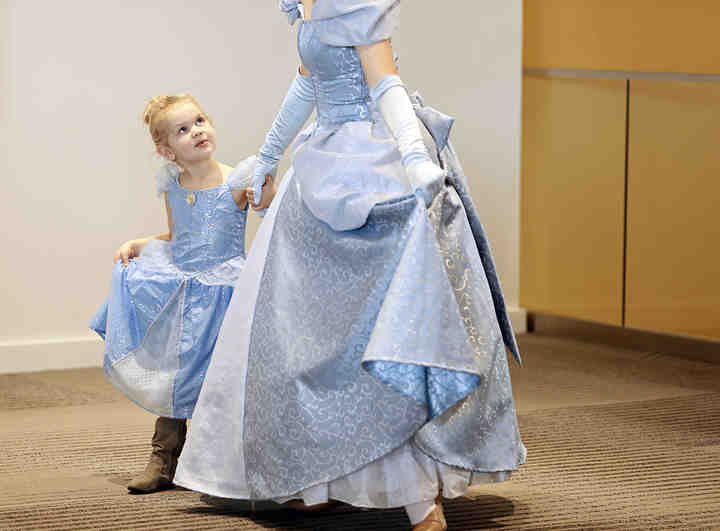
[673, 247]
[573, 197]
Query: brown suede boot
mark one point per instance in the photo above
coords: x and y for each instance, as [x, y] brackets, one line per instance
[167, 443]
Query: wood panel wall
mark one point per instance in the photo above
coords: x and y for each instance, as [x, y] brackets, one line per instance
[621, 176]
[572, 197]
[673, 245]
[635, 35]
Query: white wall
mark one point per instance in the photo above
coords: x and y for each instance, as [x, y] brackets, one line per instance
[4, 65]
[467, 62]
[77, 164]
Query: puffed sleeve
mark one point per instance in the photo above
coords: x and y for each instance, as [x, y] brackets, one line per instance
[292, 8]
[241, 175]
[165, 177]
[354, 22]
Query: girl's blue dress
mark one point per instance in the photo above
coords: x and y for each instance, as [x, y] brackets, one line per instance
[366, 359]
[162, 317]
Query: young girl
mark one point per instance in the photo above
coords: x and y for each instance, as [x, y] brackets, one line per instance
[169, 292]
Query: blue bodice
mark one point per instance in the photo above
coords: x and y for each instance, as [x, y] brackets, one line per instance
[341, 91]
[207, 229]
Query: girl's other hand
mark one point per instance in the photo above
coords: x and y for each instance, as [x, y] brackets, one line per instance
[126, 251]
[269, 189]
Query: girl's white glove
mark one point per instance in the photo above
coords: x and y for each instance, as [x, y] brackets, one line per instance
[393, 102]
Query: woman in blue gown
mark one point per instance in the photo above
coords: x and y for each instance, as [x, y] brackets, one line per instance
[365, 361]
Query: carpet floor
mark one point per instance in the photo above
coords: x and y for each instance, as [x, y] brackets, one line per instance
[616, 439]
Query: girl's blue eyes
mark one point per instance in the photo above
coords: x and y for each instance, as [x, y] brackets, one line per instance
[199, 121]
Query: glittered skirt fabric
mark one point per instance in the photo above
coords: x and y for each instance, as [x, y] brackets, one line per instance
[160, 326]
[364, 365]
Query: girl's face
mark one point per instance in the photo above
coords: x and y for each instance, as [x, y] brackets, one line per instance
[191, 136]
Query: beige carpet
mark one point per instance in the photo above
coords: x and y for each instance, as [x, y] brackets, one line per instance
[616, 439]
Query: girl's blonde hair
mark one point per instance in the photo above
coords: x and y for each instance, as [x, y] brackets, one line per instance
[156, 111]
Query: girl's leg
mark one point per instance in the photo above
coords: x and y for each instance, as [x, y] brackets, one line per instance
[167, 443]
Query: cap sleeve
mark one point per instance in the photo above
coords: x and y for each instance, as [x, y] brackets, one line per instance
[292, 8]
[241, 175]
[165, 177]
[354, 22]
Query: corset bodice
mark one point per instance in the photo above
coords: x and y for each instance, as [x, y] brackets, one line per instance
[341, 91]
[207, 229]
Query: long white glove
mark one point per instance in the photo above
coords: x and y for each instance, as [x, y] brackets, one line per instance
[391, 98]
[294, 112]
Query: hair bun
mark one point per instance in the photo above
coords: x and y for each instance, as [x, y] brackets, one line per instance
[153, 115]
[155, 104]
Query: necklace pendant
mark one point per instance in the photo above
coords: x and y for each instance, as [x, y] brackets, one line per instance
[190, 198]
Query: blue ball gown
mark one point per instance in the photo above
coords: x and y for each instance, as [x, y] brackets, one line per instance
[162, 317]
[365, 361]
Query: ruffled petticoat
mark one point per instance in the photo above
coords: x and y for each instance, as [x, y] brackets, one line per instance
[403, 477]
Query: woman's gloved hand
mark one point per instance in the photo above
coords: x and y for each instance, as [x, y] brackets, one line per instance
[393, 102]
[427, 179]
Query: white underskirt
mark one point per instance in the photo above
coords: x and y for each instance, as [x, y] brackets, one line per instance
[403, 477]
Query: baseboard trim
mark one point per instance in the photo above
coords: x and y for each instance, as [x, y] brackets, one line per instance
[52, 354]
[691, 348]
[518, 319]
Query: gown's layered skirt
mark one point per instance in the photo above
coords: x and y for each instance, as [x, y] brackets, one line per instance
[160, 325]
[366, 365]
